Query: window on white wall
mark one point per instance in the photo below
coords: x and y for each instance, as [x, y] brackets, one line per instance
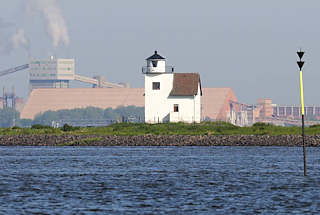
[154, 63]
[175, 108]
[156, 85]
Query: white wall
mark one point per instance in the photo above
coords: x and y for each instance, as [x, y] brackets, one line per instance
[66, 69]
[161, 66]
[189, 108]
[156, 101]
[198, 105]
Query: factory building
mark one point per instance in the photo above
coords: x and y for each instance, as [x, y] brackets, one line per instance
[53, 73]
[57, 73]
[169, 96]
[294, 112]
[265, 107]
[10, 100]
[266, 112]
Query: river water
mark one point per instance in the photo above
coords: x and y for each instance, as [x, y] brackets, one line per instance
[158, 180]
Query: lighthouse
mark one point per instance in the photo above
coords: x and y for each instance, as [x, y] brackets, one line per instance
[169, 96]
[158, 81]
[156, 63]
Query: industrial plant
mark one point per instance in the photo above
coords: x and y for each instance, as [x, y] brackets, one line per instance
[267, 112]
[57, 73]
[49, 90]
[49, 85]
[10, 100]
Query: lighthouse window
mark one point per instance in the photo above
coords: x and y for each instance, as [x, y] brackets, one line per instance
[156, 85]
[175, 108]
[154, 63]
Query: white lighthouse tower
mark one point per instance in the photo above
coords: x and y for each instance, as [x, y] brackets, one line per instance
[158, 84]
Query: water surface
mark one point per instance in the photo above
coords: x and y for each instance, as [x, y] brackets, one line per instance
[158, 180]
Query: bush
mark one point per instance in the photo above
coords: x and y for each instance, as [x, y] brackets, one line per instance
[16, 127]
[39, 126]
[315, 126]
[261, 124]
[67, 127]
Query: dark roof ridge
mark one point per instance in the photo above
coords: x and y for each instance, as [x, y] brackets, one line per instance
[155, 56]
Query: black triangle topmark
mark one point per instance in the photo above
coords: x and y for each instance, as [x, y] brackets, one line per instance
[300, 54]
[300, 64]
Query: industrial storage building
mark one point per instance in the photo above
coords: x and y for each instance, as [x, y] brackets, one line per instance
[215, 102]
[42, 100]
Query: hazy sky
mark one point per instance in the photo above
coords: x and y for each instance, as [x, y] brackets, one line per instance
[247, 45]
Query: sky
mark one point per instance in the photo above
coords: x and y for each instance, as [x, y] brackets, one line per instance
[247, 45]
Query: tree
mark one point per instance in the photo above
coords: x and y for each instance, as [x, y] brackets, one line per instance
[9, 117]
[89, 113]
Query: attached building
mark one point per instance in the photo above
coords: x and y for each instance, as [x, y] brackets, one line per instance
[169, 96]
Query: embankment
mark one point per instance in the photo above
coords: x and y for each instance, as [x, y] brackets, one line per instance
[157, 140]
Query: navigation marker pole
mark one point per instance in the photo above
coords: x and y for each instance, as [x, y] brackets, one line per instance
[300, 64]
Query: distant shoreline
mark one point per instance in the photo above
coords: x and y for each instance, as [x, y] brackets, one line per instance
[158, 140]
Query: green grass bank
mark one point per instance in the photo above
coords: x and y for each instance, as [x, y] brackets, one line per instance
[140, 129]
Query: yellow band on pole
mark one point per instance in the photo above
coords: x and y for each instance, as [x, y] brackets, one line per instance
[301, 94]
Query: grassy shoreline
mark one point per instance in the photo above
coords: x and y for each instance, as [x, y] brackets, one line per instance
[140, 129]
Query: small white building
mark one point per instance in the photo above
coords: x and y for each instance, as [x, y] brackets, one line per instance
[169, 96]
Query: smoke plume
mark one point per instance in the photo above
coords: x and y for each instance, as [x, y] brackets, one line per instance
[56, 25]
[15, 41]
[20, 39]
[10, 40]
